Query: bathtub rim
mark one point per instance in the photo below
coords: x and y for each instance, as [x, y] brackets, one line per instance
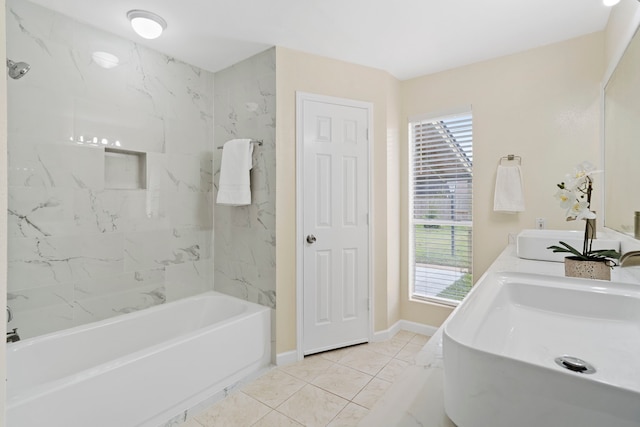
[35, 392]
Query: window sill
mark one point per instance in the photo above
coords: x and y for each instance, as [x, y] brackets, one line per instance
[433, 301]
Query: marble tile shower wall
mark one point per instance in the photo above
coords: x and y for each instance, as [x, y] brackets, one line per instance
[82, 248]
[245, 238]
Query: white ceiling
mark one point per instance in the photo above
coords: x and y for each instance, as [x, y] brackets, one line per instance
[407, 38]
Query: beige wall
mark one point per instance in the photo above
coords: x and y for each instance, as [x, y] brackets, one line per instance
[543, 105]
[3, 204]
[393, 204]
[297, 71]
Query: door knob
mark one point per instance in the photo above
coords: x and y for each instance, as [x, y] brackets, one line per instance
[311, 239]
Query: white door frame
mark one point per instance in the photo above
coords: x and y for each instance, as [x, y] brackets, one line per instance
[300, 233]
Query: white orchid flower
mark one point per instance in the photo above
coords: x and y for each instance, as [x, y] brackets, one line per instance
[566, 198]
[574, 195]
[580, 175]
[580, 210]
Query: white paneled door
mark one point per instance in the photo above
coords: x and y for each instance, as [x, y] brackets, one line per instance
[335, 197]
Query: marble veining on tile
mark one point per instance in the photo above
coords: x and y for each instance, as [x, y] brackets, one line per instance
[244, 105]
[76, 248]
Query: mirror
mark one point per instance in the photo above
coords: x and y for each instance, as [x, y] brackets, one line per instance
[622, 140]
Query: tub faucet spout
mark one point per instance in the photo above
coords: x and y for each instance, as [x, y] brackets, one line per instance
[630, 258]
[13, 336]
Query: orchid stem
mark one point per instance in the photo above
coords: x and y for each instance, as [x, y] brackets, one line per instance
[588, 236]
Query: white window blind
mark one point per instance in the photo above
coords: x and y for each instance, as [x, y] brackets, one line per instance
[441, 201]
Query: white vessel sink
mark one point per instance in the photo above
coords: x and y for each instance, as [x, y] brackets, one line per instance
[501, 343]
[533, 244]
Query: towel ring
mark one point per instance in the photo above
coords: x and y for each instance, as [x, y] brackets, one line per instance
[511, 158]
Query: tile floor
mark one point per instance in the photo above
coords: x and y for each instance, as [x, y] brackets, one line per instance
[336, 388]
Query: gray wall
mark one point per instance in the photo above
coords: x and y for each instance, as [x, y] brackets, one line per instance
[244, 243]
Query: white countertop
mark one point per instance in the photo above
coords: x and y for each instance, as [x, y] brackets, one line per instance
[416, 399]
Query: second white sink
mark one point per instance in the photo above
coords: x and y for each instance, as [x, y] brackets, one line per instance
[533, 244]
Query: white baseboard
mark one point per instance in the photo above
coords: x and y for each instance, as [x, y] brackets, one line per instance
[404, 325]
[418, 328]
[286, 358]
[387, 333]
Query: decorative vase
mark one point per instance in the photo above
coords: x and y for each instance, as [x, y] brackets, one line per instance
[576, 267]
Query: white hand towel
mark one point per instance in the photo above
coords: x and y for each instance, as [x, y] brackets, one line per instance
[235, 185]
[509, 192]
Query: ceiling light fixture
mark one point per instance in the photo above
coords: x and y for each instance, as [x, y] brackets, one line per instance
[610, 2]
[146, 24]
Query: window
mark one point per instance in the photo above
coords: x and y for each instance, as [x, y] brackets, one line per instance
[440, 198]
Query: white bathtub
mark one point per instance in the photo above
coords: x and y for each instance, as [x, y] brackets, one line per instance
[139, 369]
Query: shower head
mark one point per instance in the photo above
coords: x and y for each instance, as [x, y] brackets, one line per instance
[17, 69]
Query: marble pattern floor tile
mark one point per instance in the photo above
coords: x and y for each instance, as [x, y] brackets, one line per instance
[237, 410]
[308, 368]
[370, 394]
[419, 339]
[330, 389]
[276, 419]
[350, 416]
[409, 352]
[311, 406]
[388, 348]
[274, 387]
[405, 336]
[393, 370]
[342, 381]
[366, 361]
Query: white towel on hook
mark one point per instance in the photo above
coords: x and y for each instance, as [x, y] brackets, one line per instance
[509, 192]
[234, 187]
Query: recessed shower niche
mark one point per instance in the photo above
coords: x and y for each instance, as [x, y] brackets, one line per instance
[125, 170]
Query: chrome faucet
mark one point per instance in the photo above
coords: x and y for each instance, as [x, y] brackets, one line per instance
[13, 336]
[629, 259]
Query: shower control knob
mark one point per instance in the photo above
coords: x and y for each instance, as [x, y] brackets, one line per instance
[311, 239]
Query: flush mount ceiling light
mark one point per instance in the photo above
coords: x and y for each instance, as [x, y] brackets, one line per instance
[610, 2]
[146, 24]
